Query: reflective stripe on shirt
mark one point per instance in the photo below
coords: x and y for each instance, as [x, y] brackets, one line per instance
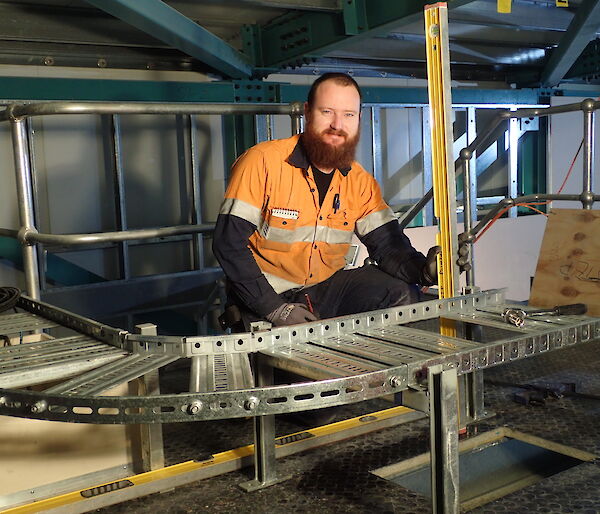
[373, 221]
[281, 284]
[306, 234]
[242, 210]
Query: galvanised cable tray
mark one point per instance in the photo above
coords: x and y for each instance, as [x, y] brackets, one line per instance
[364, 356]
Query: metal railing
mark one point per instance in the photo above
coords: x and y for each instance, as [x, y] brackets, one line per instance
[495, 128]
[28, 235]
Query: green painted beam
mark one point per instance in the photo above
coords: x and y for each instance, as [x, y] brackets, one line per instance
[292, 39]
[581, 31]
[418, 96]
[242, 91]
[34, 88]
[167, 24]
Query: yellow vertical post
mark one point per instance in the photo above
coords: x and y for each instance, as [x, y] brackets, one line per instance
[444, 180]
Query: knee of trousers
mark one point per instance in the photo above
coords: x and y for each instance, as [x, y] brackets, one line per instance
[401, 293]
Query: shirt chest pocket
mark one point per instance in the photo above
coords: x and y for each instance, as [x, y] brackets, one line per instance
[278, 223]
[342, 220]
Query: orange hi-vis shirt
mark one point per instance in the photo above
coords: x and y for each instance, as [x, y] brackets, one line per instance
[297, 242]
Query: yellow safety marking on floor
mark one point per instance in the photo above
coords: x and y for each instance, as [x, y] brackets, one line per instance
[186, 467]
[440, 103]
[348, 424]
[504, 6]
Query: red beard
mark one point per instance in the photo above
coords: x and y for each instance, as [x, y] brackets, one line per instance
[325, 155]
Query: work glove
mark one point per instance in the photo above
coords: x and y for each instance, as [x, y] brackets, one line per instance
[430, 271]
[290, 314]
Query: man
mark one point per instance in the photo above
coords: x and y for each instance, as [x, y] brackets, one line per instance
[288, 217]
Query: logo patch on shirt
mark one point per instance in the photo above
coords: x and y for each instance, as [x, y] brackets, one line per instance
[288, 214]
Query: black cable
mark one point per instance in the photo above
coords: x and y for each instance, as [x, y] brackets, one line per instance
[9, 296]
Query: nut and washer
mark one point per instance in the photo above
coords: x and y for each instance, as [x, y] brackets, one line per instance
[251, 403]
[40, 406]
[195, 407]
[396, 381]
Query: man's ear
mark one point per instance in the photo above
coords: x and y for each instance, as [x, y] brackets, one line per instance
[306, 109]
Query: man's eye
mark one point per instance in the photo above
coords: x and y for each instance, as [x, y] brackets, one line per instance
[350, 115]
[326, 111]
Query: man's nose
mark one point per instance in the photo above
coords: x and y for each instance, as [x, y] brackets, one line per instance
[336, 122]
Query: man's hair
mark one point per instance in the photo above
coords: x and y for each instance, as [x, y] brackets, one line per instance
[341, 79]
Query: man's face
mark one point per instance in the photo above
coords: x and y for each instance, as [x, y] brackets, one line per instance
[335, 114]
[332, 125]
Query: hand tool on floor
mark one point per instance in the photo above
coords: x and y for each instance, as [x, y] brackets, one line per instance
[517, 316]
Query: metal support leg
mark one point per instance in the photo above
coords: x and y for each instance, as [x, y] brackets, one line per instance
[265, 473]
[443, 398]
[587, 195]
[26, 205]
[474, 396]
[146, 439]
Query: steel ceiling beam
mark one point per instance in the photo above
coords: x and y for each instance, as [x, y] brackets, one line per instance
[289, 40]
[581, 31]
[532, 17]
[300, 5]
[167, 24]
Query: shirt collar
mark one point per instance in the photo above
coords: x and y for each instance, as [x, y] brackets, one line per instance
[299, 159]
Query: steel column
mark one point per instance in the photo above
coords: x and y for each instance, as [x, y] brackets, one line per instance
[443, 415]
[513, 154]
[196, 214]
[147, 439]
[475, 394]
[427, 166]
[296, 116]
[469, 206]
[587, 195]
[26, 212]
[265, 473]
[376, 144]
[119, 190]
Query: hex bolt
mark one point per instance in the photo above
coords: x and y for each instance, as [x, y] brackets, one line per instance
[40, 406]
[395, 381]
[3, 401]
[251, 403]
[195, 407]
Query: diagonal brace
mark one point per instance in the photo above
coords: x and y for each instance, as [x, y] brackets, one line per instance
[581, 31]
[167, 24]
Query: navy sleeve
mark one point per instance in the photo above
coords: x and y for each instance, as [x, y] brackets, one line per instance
[230, 246]
[394, 254]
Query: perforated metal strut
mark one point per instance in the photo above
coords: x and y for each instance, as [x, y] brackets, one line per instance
[365, 356]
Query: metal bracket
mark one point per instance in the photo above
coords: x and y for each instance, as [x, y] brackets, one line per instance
[443, 389]
[355, 17]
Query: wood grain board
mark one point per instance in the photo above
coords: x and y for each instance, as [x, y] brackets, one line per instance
[568, 268]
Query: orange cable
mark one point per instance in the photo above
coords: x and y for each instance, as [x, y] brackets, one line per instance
[570, 168]
[499, 214]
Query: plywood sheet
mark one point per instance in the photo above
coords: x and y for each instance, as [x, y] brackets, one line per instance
[568, 268]
[36, 453]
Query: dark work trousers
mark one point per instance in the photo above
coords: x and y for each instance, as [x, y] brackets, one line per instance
[349, 292]
[355, 290]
